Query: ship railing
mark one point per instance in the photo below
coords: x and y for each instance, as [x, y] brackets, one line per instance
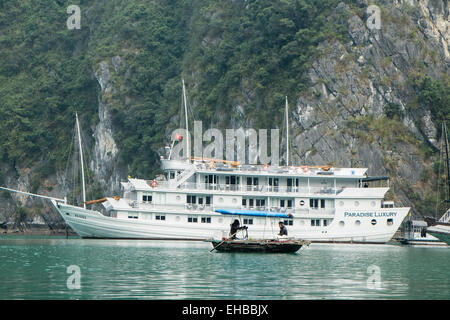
[212, 208]
[261, 188]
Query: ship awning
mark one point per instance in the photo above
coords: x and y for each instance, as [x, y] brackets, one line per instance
[254, 213]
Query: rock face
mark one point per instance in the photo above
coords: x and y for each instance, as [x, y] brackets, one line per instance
[359, 78]
[105, 149]
[339, 119]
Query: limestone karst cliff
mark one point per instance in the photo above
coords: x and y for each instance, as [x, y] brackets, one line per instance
[359, 96]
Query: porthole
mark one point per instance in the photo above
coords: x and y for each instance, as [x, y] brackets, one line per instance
[373, 203]
[302, 222]
[373, 222]
[220, 199]
[390, 222]
[356, 203]
[177, 218]
[178, 198]
[220, 220]
[234, 200]
[341, 223]
[302, 202]
[357, 223]
[341, 203]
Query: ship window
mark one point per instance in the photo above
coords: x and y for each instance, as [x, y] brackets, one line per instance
[160, 217]
[302, 202]
[132, 215]
[192, 219]
[172, 175]
[315, 223]
[190, 199]
[289, 222]
[373, 222]
[147, 198]
[357, 222]
[390, 222]
[314, 203]
[341, 223]
[322, 203]
[282, 203]
[248, 221]
[251, 202]
[325, 222]
[231, 180]
[260, 202]
[206, 220]
[244, 202]
[289, 203]
[200, 200]
[208, 200]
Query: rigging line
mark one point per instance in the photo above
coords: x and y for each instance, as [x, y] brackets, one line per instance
[66, 171]
[447, 162]
[439, 176]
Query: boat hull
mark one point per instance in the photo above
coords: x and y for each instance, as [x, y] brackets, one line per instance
[440, 231]
[265, 246]
[93, 224]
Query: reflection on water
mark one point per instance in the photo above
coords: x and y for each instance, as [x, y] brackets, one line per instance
[35, 268]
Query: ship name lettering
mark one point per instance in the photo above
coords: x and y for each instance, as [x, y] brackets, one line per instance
[370, 214]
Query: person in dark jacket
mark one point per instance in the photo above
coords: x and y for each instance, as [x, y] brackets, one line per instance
[235, 227]
[283, 230]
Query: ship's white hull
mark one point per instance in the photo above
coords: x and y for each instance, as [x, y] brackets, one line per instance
[343, 228]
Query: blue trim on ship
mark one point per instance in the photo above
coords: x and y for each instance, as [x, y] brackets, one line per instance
[254, 213]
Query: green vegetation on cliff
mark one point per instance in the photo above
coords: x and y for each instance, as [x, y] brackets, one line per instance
[261, 48]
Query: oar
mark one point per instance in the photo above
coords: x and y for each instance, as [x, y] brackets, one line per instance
[222, 242]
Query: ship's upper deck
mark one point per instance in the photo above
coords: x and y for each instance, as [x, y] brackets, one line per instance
[213, 166]
[218, 175]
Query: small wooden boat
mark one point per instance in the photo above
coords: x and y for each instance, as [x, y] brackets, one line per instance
[267, 246]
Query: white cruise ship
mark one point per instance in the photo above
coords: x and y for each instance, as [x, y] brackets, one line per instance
[199, 199]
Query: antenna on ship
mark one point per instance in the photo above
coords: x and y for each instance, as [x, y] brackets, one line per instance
[188, 152]
[287, 132]
[81, 160]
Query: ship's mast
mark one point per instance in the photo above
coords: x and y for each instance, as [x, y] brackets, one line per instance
[81, 160]
[287, 133]
[188, 152]
[448, 167]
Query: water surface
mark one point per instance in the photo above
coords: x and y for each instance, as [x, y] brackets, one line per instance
[35, 267]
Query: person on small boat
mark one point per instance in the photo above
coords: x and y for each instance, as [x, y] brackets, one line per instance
[235, 227]
[283, 230]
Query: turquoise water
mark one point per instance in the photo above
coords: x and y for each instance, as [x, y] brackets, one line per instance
[36, 268]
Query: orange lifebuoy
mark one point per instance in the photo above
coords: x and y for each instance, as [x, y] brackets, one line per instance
[305, 169]
[266, 166]
[154, 183]
[212, 164]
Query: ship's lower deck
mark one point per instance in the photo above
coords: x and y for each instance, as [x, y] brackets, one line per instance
[344, 226]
